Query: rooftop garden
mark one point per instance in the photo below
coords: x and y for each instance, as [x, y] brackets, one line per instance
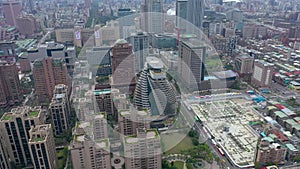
[7, 117]
[36, 139]
[33, 114]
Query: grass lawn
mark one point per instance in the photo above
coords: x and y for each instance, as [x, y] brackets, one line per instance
[34, 113]
[213, 63]
[176, 142]
[178, 164]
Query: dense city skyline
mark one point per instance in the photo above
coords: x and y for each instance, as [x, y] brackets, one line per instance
[149, 84]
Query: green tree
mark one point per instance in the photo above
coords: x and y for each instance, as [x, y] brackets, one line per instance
[193, 133]
[195, 141]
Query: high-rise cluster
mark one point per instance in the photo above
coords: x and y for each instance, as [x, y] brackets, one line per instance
[26, 139]
[47, 73]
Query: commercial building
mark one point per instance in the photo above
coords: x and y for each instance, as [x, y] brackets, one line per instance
[12, 10]
[42, 147]
[15, 126]
[10, 92]
[244, 64]
[78, 36]
[164, 41]
[126, 22]
[27, 25]
[122, 64]
[143, 150]
[181, 15]
[270, 153]
[152, 16]
[195, 12]
[54, 50]
[60, 109]
[228, 122]
[47, 73]
[153, 91]
[192, 54]
[262, 73]
[108, 34]
[140, 42]
[64, 35]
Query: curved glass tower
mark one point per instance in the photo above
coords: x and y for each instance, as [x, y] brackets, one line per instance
[153, 90]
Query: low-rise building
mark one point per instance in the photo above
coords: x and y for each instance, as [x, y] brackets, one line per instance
[270, 153]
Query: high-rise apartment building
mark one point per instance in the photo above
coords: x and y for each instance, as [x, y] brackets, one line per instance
[95, 154]
[102, 96]
[88, 153]
[100, 126]
[60, 109]
[254, 31]
[10, 92]
[122, 64]
[42, 147]
[262, 74]
[270, 153]
[3, 159]
[181, 15]
[47, 73]
[131, 120]
[15, 126]
[152, 16]
[140, 42]
[12, 10]
[244, 65]
[192, 54]
[120, 101]
[143, 150]
[195, 9]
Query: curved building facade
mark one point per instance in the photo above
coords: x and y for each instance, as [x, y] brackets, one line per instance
[154, 92]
